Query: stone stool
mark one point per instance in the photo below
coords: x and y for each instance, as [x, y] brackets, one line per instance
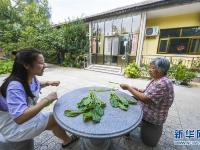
[23, 145]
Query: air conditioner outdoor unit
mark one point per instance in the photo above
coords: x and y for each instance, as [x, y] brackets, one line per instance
[152, 31]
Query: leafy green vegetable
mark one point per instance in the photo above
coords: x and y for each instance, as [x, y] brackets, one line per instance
[133, 102]
[102, 90]
[90, 106]
[120, 102]
[122, 106]
[72, 113]
[87, 116]
[95, 117]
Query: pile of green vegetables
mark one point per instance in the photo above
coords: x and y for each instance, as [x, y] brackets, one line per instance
[120, 102]
[90, 106]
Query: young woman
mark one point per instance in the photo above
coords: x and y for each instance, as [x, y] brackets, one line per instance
[20, 114]
[156, 100]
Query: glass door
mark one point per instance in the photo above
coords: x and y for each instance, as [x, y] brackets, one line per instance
[111, 50]
[115, 50]
[107, 50]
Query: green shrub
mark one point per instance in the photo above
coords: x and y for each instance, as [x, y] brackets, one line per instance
[180, 73]
[145, 71]
[5, 66]
[132, 71]
[196, 65]
[73, 60]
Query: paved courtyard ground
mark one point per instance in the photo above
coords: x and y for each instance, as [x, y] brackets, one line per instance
[183, 115]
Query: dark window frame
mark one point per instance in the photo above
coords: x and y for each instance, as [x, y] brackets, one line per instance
[191, 42]
[191, 38]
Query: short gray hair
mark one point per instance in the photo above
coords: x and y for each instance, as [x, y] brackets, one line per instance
[161, 63]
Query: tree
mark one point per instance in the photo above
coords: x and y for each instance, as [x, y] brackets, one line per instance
[25, 23]
[21, 21]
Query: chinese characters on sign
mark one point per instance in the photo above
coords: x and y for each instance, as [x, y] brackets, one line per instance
[190, 137]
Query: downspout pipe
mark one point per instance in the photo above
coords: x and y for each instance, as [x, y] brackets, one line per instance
[141, 38]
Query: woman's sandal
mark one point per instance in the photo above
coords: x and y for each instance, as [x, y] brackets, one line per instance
[74, 138]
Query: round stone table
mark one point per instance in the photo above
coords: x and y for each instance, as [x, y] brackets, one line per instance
[114, 123]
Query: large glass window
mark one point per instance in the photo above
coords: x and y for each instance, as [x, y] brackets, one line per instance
[170, 33]
[115, 46]
[94, 45]
[180, 40]
[134, 43]
[195, 31]
[126, 24]
[124, 44]
[136, 24]
[163, 46]
[108, 27]
[94, 29]
[108, 42]
[100, 28]
[116, 27]
[195, 46]
[100, 37]
[178, 46]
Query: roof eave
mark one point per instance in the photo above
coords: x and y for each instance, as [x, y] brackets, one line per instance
[138, 8]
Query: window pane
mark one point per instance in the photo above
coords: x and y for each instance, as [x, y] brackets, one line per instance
[107, 59]
[178, 46]
[163, 46]
[115, 45]
[117, 25]
[136, 24]
[114, 60]
[94, 58]
[107, 50]
[100, 37]
[170, 33]
[195, 48]
[134, 43]
[100, 28]
[124, 44]
[100, 45]
[195, 31]
[94, 29]
[94, 45]
[126, 25]
[108, 27]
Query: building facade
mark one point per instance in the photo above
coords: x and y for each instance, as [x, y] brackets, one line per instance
[142, 31]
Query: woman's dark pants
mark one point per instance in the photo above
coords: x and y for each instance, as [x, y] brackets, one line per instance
[150, 133]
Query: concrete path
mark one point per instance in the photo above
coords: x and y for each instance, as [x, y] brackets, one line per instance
[183, 115]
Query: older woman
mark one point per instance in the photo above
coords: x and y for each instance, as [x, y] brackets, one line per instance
[156, 100]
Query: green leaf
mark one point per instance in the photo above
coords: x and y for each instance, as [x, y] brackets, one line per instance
[131, 101]
[120, 102]
[72, 113]
[123, 107]
[114, 102]
[99, 110]
[96, 117]
[87, 116]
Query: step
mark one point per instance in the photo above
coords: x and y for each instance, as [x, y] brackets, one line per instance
[104, 71]
[108, 69]
[105, 66]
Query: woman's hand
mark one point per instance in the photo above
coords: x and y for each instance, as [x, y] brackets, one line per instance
[53, 83]
[51, 97]
[125, 86]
